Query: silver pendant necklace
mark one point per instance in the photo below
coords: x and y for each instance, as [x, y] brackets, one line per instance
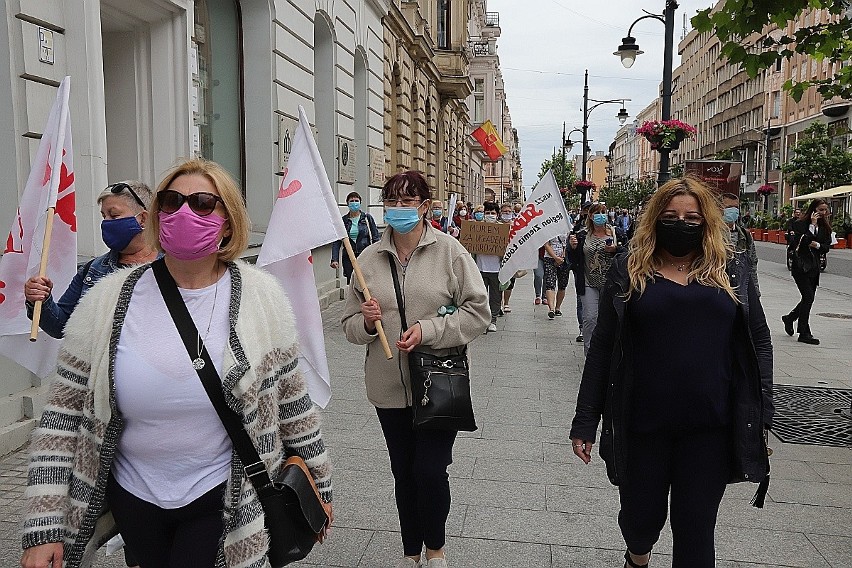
[198, 362]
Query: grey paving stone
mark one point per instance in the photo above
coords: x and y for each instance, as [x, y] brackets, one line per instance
[837, 550]
[832, 473]
[499, 494]
[811, 493]
[578, 499]
[486, 553]
[762, 546]
[807, 519]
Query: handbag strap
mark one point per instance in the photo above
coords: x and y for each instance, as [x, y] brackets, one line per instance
[399, 302]
[255, 470]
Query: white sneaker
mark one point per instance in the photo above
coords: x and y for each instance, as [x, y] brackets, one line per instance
[491, 327]
[407, 562]
[436, 563]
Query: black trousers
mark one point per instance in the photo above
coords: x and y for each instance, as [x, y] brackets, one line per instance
[419, 461]
[186, 537]
[694, 466]
[495, 295]
[807, 284]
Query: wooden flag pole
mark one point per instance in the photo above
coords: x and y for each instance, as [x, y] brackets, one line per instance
[42, 269]
[360, 276]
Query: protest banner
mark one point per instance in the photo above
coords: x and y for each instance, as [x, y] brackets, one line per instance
[482, 237]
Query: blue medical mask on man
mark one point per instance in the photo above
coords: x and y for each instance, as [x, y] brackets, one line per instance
[731, 214]
[402, 219]
[354, 206]
[117, 233]
[599, 219]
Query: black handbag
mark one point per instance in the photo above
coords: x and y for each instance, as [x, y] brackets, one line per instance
[293, 511]
[803, 257]
[440, 384]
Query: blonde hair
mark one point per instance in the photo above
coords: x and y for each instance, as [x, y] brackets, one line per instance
[709, 267]
[232, 198]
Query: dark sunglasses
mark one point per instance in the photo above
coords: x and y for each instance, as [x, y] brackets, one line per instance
[118, 188]
[201, 203]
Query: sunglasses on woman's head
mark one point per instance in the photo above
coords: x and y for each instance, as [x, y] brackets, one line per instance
[118, 189]
[201, 203]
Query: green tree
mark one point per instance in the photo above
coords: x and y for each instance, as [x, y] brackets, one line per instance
[816, 163]
[737, 21]
[628, 194]
[565, 178]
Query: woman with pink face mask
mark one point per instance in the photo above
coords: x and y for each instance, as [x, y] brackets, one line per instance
[131, 430]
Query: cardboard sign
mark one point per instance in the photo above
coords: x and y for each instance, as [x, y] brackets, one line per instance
[482, 237]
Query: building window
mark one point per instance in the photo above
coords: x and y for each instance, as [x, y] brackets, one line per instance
[776, 104]
[479, 101]
[217, 86]
[443, 24]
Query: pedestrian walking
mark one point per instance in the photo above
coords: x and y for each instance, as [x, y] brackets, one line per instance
[538, 277]
[557, 270]
[507, 215]
[436, 272]
[489, 266]
[124, 211]
[592, 252]
[131, 440]
[578, 229]
[680, 370]
[362, 231]
[740, 238]
[810, 241]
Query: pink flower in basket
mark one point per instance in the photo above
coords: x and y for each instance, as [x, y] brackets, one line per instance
[766, 189]
[665, 133]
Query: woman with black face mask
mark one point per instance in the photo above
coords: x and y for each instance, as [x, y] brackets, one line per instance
[680, 370]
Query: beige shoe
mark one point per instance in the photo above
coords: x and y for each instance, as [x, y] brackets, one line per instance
[407, 562]
[436, 563]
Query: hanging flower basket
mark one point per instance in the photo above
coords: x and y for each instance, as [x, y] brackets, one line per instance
[766, 189]
[665, 134]
[583, 186]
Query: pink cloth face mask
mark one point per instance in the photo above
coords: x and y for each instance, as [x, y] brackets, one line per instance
[188, 236]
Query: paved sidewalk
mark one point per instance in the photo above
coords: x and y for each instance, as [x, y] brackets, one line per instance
[520, 498]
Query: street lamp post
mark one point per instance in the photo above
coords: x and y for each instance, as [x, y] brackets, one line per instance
[622, 117]
[629, 49]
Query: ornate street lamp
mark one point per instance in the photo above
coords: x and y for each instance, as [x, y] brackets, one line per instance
[629, 50]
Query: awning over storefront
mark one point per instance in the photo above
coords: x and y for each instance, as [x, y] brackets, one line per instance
[839, 191]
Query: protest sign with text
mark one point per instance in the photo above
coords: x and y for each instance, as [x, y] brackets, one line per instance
[542, 218]
[482, 237]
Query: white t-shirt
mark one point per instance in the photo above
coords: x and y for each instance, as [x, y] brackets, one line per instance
[174, 448]
[558, 245]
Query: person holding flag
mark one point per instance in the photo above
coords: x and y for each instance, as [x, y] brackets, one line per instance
[129, 428]
[124, 211]
[446, 306]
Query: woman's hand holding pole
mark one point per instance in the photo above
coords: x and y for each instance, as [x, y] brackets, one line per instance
[360, 276]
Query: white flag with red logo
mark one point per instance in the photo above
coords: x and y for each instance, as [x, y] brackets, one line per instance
[50, 184]
[305, 216]
[542, 218]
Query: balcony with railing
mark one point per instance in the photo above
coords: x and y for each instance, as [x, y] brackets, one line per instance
[479, 47]
[492, 19]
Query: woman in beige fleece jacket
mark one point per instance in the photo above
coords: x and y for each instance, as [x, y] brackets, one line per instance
[434, 271]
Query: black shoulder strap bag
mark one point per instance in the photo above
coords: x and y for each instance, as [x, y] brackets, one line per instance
[440, 385]
[292, 507]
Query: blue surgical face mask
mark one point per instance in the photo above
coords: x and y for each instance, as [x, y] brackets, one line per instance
[354, 206]
[479, 216]
[402, 219]
[731, 214]
[599, 219]
[117, 233]
[436, 213]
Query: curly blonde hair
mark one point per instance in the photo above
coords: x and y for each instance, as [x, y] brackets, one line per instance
[708, 268]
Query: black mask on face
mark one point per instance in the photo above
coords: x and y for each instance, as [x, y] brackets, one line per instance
[679, 239]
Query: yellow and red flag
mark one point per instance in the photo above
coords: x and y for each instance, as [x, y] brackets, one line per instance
[490, 141]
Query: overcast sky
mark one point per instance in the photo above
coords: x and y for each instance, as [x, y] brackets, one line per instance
[545, 47]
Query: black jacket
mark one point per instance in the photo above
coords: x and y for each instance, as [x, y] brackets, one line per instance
[368, 234]
[800, 237]
[608, 377]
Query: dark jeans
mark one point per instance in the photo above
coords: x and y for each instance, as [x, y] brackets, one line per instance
[807, 284]
[419, 461]
[495, 295]
[694, 465]
[186, 537]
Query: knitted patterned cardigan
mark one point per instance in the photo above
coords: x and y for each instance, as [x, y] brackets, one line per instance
[74, 446]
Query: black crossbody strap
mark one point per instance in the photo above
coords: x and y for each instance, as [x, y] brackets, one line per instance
[253, 465]
[399, 302]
